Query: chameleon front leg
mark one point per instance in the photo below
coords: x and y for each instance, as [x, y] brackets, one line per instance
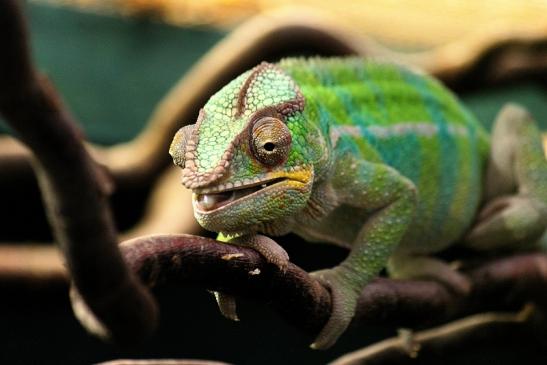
[268, 248]
[391, 200]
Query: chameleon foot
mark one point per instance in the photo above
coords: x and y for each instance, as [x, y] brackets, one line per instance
[344, 300]
[271, 250]
[515, 185]
[226, 305]
[429, 268]
[508, 221]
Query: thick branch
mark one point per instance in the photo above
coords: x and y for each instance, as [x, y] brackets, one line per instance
[74, 189]
[502, 284]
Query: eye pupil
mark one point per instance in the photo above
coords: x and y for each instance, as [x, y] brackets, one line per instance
[270, 141]
[269, 146]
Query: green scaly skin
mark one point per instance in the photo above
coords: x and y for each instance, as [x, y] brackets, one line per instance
[374, 157]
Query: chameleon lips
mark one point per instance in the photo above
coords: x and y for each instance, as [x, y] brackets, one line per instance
[211, 201]
[255, 203]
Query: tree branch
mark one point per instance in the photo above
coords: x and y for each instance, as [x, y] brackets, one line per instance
[31, 264]
[498, 285]
[73, 187]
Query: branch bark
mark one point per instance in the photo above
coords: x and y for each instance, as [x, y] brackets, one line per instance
[502, 284]
[74, 189]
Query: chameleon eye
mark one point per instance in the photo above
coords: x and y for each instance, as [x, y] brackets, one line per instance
[271, 141]
[178, 146]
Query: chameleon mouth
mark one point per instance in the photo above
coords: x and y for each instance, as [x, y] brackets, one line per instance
[208, 202]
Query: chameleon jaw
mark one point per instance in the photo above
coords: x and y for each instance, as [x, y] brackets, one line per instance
[253, 205]
[206, 202]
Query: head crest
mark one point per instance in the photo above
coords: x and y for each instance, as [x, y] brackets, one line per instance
[228, 113]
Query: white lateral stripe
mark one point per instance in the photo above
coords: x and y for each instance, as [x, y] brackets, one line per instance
[421, 129]
[344, 130]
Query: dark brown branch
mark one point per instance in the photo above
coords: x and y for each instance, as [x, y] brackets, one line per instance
[502, 284]
[74, 189]
[168, 210]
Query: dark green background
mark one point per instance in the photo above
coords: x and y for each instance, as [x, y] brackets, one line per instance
[111, 72]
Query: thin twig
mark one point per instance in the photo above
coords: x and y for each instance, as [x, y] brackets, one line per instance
[162, 362]
[444, 339]
[73, 187]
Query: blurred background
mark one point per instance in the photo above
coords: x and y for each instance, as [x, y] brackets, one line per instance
[114, 61]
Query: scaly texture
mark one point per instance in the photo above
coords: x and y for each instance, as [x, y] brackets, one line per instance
[388, 114]
[374, 157]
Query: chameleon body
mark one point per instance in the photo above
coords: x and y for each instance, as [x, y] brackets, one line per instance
[374, 157]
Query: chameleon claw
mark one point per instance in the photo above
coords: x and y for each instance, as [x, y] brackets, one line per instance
[226, 305]
[271, 250]
[429, 268]
[409, 343]
[344, 300]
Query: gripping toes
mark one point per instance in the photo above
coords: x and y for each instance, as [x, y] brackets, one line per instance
[227, 305]
[271, 250]
[429, 268]
[515, 187]
[344, 301]
[508, 221]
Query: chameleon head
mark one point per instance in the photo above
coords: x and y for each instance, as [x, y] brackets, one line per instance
[249, 157]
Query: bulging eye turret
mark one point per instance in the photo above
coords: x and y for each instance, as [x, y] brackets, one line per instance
[270, 141]
[177, 150]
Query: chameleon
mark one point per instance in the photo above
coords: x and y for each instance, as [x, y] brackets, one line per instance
[379, 158]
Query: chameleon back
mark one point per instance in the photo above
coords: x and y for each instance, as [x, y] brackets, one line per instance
[389, 114]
